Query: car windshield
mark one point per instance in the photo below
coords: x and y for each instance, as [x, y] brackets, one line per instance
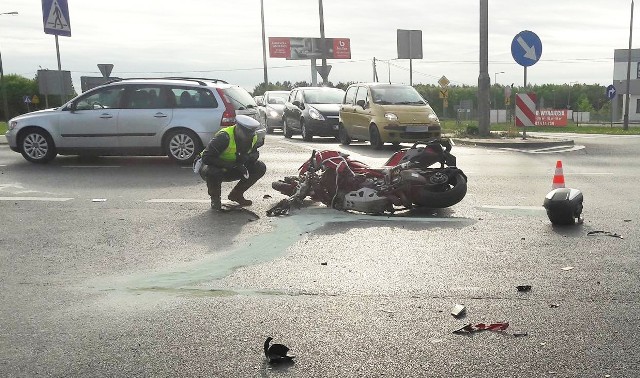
[396, 95]
[240, 98]
[277, 98]
[324, 96]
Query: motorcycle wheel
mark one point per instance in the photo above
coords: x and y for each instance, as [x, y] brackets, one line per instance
[441, 196]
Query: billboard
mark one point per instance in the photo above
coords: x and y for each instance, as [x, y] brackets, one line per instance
[49, 83]
[551, 117]
[298, 48]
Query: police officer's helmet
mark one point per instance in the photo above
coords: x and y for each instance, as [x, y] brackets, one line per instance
[248, 124]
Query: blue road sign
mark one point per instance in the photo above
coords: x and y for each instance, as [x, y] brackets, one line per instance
[526, 48]
[55, 17]
[26, 99]
[611, 92]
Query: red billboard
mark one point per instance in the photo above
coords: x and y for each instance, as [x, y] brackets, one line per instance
[297, 48]
[551, 117]
[279, 47]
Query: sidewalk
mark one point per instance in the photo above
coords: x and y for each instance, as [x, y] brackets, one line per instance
[3, 139]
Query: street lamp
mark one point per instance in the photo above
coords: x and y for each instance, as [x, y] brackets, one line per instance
[495, 82]
[5, 103]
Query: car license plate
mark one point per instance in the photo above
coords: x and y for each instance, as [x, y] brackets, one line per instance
[417, 129]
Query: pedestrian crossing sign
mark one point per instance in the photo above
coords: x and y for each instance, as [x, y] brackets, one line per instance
[55, 16]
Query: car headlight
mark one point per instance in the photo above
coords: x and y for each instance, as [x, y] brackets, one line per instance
[315, 114]
[391, 117]
[13, 125]
[433, 118]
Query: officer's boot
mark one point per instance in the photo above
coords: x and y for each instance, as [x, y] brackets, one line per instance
[216, 203]
[237, 195]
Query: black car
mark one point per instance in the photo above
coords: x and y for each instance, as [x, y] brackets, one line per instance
[312, 111]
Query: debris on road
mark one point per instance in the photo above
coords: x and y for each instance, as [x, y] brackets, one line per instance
[524, 288]
[266, 196]
[520, 334]
[458, 311]
[323, 263]
[469, 328]
[567, 268]
[554, 305]
[99, 200]
[276, 353]
[605, 233]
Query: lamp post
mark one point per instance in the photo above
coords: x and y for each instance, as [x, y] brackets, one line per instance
[495, 82]
[5, 103]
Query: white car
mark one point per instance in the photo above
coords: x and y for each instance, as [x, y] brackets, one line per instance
[171, 116]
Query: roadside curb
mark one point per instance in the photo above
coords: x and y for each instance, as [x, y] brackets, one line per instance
[514, 142]
[3, 139]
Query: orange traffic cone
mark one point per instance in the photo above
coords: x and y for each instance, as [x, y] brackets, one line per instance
[558, 177]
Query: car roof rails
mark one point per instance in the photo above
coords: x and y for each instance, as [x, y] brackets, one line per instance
[199, 80]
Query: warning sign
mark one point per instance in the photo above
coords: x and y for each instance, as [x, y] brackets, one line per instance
[55, 16]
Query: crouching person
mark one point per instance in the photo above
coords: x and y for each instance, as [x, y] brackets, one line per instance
[232, 154]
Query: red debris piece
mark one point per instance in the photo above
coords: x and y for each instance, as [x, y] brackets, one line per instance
[468, 329]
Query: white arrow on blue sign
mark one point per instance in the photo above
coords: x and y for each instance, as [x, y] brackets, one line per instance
[611, 92]
[526, 48]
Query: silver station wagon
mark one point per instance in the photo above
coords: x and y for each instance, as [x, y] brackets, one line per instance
[170, 116]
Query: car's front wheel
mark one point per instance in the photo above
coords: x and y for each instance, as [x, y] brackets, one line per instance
[374, 138]
[183, 146]
[307, 135]
[286, 130]
[37, 146]
[343, 136]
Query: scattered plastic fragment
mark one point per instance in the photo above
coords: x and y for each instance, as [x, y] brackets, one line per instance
[554, 305]
[567, 268]
[99, 200]
[276, 353]
[266, 196]
[627, 220]
[323, 263]
[520, 334]
[458, 310]
[469, 328]
[524, 288]
[605, 233]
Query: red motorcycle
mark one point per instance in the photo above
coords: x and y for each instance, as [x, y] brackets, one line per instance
[424, 175]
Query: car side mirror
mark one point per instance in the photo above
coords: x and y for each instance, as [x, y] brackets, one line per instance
[73, 107]
[361, 103]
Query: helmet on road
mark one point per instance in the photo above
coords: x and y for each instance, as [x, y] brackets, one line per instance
[248, 124]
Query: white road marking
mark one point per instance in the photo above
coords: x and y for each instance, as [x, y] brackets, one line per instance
[91, 166]
[177, 200]
[48, 199]
[547, 150]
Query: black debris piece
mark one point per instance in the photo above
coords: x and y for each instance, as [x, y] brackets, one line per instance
[605, 233]
[524, 288]
[276, 353]
[266, 196]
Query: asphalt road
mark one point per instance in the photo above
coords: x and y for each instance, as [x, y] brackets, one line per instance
[116, 267]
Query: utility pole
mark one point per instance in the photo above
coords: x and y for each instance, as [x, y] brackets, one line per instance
[324, 73]
[484, 81]
[375, 71]
[264, 46]
[625, 125]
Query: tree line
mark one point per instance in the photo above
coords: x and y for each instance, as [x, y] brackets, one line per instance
[579, 97]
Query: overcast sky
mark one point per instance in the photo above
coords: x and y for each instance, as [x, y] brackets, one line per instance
[223, 39]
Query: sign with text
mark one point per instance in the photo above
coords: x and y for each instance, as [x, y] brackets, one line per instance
[551, 117]
[296, 48]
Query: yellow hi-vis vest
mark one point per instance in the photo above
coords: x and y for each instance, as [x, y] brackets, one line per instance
[230, 153]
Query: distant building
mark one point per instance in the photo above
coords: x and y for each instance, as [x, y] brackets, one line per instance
[620, 59]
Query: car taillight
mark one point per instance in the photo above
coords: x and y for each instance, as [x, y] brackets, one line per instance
[229, 115]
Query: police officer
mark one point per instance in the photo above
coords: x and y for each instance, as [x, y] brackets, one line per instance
[232, 154]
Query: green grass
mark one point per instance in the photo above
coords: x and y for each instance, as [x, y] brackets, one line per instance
[468, 128]
[3, 128]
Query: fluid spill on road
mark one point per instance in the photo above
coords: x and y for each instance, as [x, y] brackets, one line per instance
[260, 248]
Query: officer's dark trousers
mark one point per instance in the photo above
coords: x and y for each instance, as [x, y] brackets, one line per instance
[215, 176]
